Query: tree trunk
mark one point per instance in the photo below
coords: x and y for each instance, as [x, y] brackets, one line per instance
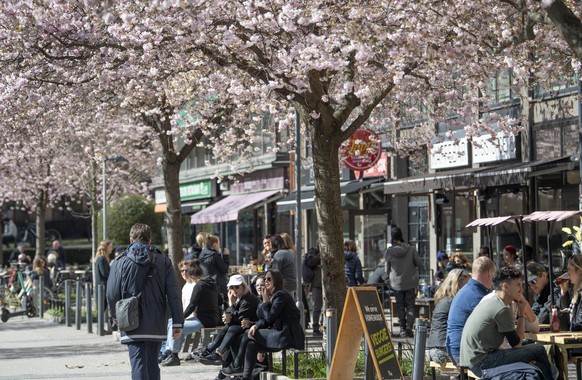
[329, 212]
[171, 172]
[40, 222]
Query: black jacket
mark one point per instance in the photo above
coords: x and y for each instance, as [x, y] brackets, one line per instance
[216, 267]
[246, 307]
[144, 269]
[205, 301]
[102, 269]
[282, 315]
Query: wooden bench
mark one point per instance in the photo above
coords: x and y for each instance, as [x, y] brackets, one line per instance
[202, 337]
[464, 372]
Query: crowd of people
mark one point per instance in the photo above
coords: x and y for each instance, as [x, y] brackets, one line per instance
[254, 318]
[481, 313]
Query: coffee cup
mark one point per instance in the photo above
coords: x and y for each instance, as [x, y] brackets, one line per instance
[246, 323]
[227, 317]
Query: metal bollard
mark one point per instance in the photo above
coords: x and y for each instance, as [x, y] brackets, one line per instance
[40, 296]
[419, 348]
[68, 306]
[78, 300]
[89, 307]
[369, 370]
[330, 336]
[100, 309]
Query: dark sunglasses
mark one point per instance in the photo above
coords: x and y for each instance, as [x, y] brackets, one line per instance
[533, 282]
[268, 279]
[234, 287]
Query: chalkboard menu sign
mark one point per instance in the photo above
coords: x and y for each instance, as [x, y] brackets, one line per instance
[363, 314]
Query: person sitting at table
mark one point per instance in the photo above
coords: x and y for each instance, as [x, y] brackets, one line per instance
[537, 280]
[575, 276]
[492, 321]
[443, 297]
[465, 301]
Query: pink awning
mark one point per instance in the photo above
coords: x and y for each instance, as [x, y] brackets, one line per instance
[551, 216]
[489, 221]
[228, 208]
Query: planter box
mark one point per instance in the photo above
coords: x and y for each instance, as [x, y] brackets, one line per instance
[54, 319]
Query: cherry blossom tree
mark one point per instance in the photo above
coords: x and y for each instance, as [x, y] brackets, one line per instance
[341, 65]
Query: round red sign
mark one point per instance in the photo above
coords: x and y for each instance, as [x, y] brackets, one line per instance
[362, 150]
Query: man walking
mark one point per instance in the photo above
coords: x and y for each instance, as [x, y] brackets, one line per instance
[492, 321]
[402, 261]
[465, 302]
[143, 271]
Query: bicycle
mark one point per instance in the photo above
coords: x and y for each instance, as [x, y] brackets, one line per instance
[15, 297]
[29, 235]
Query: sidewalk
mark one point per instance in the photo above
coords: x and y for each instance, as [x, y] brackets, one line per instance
[37, 349]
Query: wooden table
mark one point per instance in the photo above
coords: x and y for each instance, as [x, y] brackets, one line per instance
[563, 340]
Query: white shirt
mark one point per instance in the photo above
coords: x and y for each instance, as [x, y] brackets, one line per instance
[187, 290]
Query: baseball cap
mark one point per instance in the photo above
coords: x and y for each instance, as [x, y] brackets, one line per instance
[236, 279]
[534, 270]
[510, 248]
[564, 276]
[441, 255]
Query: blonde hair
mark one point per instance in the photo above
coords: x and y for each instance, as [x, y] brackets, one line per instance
[482, 265]
[288, 241]
[451, 284]
[576, 261]
[211, 240]
[201, 239]
[102, 249]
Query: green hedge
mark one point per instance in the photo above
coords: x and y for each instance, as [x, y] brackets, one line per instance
[81, 256]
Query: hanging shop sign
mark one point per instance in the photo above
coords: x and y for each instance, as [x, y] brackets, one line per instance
[362, 150]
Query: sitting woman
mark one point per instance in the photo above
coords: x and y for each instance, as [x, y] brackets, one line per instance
[443, 298]
[575, 275]
[204, 301]
[237, 318]
[278, 328]
[39, 268]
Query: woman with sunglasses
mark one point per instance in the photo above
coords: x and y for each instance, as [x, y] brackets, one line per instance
[204, 301]
[241, 313]
[278, 327]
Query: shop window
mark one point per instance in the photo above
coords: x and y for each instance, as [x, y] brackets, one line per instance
[452, 219]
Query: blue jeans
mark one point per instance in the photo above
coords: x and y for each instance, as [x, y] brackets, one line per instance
[143, 357]
[524, 354]
[190, 326]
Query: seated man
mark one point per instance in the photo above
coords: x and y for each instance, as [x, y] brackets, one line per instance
[537, 279]
[465, 301]
[492, 321]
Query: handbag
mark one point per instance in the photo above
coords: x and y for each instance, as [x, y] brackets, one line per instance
[127, 313]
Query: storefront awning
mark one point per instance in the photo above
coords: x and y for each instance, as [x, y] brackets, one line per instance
[308, 195]
[425, 183]
[500, 175]
[187, 207]
[227, 209]
[550, 216]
